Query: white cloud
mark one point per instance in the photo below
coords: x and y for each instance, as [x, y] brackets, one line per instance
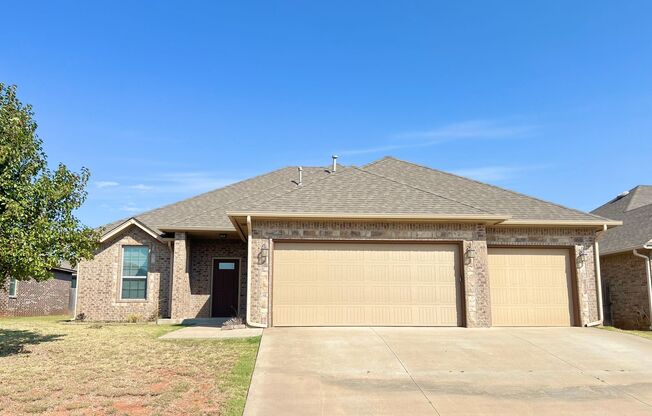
[132, 208]
[141, 187]
[467, 130]
[106, 184]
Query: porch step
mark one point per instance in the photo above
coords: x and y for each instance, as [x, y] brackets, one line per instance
[193, 321]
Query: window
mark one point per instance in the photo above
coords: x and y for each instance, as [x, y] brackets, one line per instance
[226, 266]
[73, 282]
[135, 265]
[13, 286]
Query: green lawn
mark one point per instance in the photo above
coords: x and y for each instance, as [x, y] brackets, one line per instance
[644, 334]
[48, 366]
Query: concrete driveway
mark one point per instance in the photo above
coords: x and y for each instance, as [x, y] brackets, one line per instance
[451, 371]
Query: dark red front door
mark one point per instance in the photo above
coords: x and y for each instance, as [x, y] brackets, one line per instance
[225, 287]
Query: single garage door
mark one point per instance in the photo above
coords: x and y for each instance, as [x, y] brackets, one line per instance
[365, 284]
[530, 287]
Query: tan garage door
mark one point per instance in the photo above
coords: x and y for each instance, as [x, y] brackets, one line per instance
[530, 287]
[365, 284]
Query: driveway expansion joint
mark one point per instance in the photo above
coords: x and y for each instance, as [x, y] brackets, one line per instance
[406, 370]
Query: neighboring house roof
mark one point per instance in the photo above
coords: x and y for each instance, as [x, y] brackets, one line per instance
[388, 187]
[634, 209]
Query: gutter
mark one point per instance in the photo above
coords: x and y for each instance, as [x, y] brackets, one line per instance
[648, 272]
[248, 314]
[598, 278]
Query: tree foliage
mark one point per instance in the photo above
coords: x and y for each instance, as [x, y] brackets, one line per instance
[38, 228]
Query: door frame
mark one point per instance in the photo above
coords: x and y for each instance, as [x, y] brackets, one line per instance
[461, 285]
[574, 295]
[213, 260]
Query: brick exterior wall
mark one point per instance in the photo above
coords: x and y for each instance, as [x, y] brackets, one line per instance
[476, 236]
[577, 239]
[202, 254]
[50, 297]
[625, 279]
[98, 286]
[99, 280]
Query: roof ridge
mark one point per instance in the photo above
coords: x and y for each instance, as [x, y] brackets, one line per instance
[243, 196]
[632, 194]
[428, 192]
[493, 186]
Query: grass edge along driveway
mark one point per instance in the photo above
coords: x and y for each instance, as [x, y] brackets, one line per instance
[48, 366]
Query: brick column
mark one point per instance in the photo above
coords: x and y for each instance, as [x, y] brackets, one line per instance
[180, 297]
[476, 281]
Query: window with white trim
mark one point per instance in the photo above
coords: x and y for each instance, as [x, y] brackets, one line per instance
[135, 265]
[13, 287]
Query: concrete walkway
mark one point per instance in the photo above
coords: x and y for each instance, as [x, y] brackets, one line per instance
[211, 332]
[451, 371]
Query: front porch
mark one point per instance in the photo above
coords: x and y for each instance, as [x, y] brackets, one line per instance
[208, 277]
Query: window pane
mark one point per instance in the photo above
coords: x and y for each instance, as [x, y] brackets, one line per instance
[135, 261]
[226, 266]
[12, 287]
[73, 282]
[134, 288]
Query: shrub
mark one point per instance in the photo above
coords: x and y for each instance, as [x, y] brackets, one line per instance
[133, 318]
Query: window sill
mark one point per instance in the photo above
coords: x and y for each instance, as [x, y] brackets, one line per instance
[13, 297]
[133, 300]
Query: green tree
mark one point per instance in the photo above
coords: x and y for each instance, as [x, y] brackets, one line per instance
[38, 228]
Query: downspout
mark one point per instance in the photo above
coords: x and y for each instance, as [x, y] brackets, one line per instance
[598, 278]
[171, 249]
[648, 272]
[249, 259]
[74, 312]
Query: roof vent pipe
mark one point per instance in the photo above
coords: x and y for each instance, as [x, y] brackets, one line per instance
[334, 169]
[300, 176]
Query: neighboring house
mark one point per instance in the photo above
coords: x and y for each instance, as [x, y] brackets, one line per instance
[54, 296]
[625, 259]
[391, 243]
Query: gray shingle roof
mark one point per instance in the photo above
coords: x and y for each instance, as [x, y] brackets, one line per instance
[484, 196]
[634, 209]
[385, 187]
[356, 191]
[208, 210]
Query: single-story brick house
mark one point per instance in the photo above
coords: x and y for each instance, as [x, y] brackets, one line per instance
[390, 243]
[625, 253]
[54, 296]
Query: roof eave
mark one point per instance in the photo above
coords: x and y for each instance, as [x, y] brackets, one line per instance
[565, 223]
[128, 223]
[197, 228]
[488, 219]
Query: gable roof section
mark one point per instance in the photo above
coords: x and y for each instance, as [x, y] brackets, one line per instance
[634, 209]
[521, 208]
[356, 192]
[207, 211]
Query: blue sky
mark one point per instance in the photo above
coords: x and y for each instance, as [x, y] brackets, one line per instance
[163, 100]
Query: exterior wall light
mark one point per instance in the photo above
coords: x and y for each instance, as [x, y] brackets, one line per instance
[581, 258]
[470, 253]
[262, 257]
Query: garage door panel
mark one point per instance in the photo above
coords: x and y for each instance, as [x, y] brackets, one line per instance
[530, 287]
[365, 284]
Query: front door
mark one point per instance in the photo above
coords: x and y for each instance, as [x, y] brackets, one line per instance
[225, 288]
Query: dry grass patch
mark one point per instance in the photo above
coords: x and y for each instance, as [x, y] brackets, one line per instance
[644, 334]
[51, 367]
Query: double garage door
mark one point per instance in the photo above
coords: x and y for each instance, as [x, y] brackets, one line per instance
[331, 284]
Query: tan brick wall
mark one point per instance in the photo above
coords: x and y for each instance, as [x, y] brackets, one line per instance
[577, 239]
[202, 254]
[626, 281]
[50, 297]
[476, 276]
[98, 280]
[180, 307]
